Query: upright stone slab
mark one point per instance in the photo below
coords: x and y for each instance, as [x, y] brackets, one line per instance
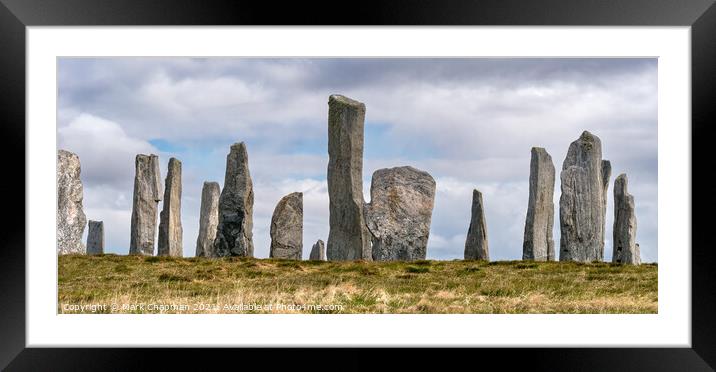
[234, 234]
[348, 237]
[538, 244]
[582, 205]
[318, 251]
[208, 220]
[287, 228]
[147, 193]
[606, 175]
[170, 230]
[476, 242]
[95, 237]
[399, 213]
[626, 250]
[70, 216]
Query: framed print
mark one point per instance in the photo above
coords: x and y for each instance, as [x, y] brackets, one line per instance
[452, 175]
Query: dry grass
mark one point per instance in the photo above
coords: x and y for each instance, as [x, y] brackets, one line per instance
[152, 284]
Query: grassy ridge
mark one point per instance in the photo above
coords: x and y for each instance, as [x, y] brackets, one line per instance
[209, 285]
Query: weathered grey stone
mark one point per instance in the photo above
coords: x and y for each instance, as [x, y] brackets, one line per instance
[626, 250]
[606, 175]
[70, 216]
[399, 213]
[318, 251]
[95, 237]
[208, 219]
[538, 244]
[348, 237]
[170, 230]
[287, 228]
[476, 242]
[582, 206]
[234, 234]
[147, 193]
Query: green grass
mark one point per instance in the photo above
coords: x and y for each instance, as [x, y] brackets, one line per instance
[282, 286]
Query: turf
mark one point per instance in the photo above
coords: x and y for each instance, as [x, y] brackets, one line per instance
[134, 284]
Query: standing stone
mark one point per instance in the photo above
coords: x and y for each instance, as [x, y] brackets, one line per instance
[208, 220]
[606, 175]
[538, 244]
[348, 237]
[399, 213]
[318, 251]
[70, 216]
[476, 242]
[147, 193]
[626, 250]
[234, 234]
[95, 237]
[287, 228]
[582, 206]
[170, 230]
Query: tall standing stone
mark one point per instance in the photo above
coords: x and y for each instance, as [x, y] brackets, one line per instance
[234, 234]
[318, 251]
[582, 206]
[476, 242]
[399, 213]
[348, 237]
[287, 228]
[70, 216]
[538, 243]
[170, 230]
[606, 175]
[626, 250]
[208, 220]
[95, 237]
[147, 193]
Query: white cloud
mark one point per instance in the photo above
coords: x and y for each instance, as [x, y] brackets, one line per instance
[106, 152]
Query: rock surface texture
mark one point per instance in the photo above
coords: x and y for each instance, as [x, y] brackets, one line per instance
[538, 243]
[476, 242]
[170, 230]
[95, 237]
[318, 251]
[348, 237]
[606, 175]
[626, 250]
[234, 234]
[582, 204]
[399, 214]
[208, 219]
[71, 218]
[287, 228]
[147, 193]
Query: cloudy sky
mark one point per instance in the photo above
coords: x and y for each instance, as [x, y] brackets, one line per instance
[469, 122]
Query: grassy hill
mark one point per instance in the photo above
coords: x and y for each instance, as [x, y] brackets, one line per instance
[134, 284]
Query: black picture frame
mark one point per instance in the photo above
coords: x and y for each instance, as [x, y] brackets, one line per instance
[16, 15]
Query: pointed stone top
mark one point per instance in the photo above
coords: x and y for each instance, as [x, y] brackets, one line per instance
[174, 160]
[588, 136]
[541, 152]
[343, 100]
[620, 183]
[476, 193]
[239, 147]
[295, 194]
[66, 153]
